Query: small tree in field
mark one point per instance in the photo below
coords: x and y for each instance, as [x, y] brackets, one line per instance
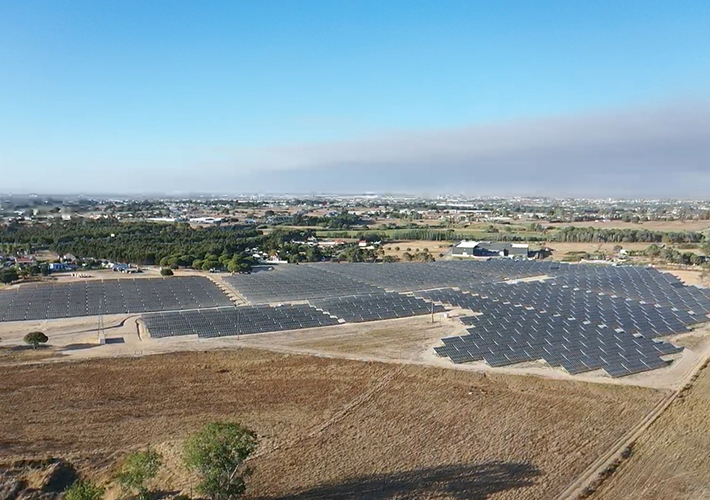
[35, 339]
[84, 490]
[139, 468]
[217, 454]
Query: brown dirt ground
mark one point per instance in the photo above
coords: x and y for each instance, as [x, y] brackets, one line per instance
[560, 250]
[329, 427]
[435, 247]
[670, 459]
[690, 277]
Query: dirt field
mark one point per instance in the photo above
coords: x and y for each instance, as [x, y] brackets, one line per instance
[329, 428]
[560, 250]
[690, 277]
[670, 459]
[435, 247]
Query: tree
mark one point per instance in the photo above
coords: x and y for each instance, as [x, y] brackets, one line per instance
[166, 271]
[35, 339]
[139, 468]
[84, 490]
[217, 454]
[653, 251]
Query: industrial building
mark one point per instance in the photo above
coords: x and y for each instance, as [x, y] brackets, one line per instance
[487, 249]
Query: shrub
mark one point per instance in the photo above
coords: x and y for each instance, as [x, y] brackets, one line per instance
[84, 490]
[35, 339]
[138, 470]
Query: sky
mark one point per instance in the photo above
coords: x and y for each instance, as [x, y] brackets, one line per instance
[557, 98]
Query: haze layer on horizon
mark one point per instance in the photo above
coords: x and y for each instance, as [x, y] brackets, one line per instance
[512, 98]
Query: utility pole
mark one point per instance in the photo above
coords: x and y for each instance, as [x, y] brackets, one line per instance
[100, 323]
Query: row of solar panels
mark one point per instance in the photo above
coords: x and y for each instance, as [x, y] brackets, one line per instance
[260, 319]
[229, 321]
[377, 306]
[311, 281]
[89, 298]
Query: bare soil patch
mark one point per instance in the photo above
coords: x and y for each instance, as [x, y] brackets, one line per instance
[329, 428]
[435, 248]
[688, 277]
[560, 250]
[406, 339]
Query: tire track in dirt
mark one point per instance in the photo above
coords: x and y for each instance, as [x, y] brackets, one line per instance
[355, 403]
[592, 478]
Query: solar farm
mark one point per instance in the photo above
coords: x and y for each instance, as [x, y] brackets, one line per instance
[581, 318]
[319, 362]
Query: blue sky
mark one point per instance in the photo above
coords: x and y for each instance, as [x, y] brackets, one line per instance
[175, 89]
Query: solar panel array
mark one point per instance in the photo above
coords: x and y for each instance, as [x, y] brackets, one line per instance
[293, 283]
[578, 329]
[228, 321]
[527, 335]
[422, 276]
[581, 317]
[637, 283]
[117, 296]
[376, 306]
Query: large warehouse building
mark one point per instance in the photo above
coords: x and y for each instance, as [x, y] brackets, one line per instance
[490, 249]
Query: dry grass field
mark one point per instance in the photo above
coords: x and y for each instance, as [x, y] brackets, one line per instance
[329, 428]
[560, 250]
[670, 459]
[435, 247]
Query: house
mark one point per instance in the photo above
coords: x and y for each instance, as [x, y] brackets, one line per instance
[25, 261]
[485, 249]
[333, 243]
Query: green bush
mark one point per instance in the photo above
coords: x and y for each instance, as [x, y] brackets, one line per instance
[84, 490]
[139, 468]
[217, 454]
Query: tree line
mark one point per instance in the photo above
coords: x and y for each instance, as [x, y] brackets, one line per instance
[594, 235]
[142, 243]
